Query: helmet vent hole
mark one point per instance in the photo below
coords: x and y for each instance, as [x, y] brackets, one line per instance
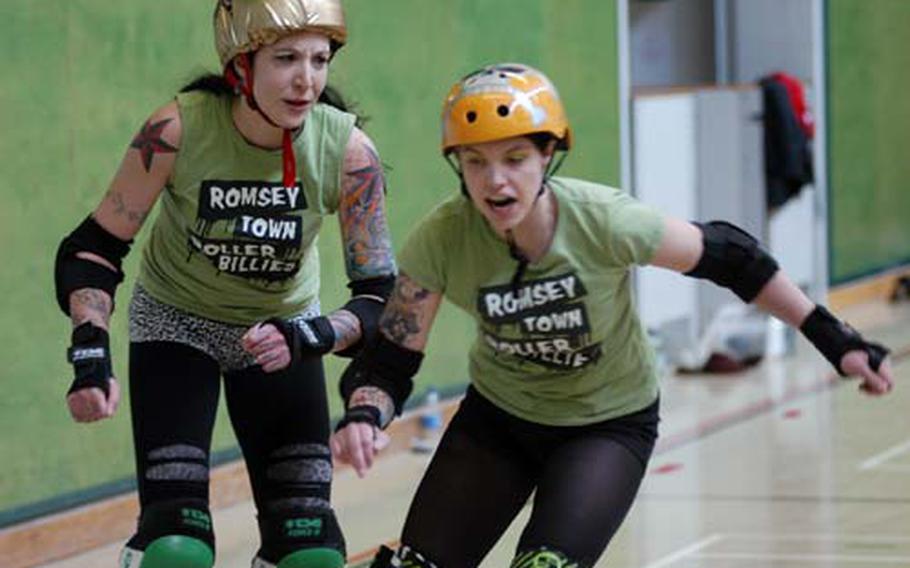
[471, 116]
[502, 110]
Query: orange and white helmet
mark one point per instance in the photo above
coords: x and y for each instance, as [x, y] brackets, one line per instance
[502, 101]
[243, 26]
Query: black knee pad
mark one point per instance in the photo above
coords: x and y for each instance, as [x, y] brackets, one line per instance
[290, 527]
[301, 472]
[178, 471]
[183, 517]
[294, 509]
[544, 557]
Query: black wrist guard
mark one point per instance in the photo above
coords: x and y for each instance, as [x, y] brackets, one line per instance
[732, 258]
[312, 337]
[385, 365]
[72, 273]
[90, 355]
[368, 301]
[833, 338]
[364, 413]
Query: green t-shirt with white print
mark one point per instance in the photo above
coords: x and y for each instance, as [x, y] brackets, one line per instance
[231, 243]
[565, 347]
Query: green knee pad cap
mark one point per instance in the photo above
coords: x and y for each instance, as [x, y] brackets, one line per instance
[177, 552]
[312, 558]
[543, 558]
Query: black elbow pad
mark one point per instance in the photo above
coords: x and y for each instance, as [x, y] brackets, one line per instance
[733, 258]
[72, 273]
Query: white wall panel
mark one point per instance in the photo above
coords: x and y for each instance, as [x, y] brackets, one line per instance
[665, 177]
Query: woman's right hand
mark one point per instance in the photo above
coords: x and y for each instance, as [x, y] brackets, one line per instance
[94, 394]
[875, 382]
[268, 346]
[89, 404]
[357, 444]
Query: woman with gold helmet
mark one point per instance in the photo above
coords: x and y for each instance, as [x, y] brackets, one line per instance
[563, 400]
[244, 166]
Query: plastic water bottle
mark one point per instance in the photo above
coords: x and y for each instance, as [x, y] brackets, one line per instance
[430, 423]
[780, 340]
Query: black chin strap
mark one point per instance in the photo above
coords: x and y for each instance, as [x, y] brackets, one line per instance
[554, 166]
[451, 162]
[514, 251]
[518, 256]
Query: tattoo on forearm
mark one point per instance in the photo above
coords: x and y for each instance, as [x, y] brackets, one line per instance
[368, 247]
[400, 320]
[399, 324]
[347, 329]
[149, 142]
[90, 304]
[376, 397]
[134, 216]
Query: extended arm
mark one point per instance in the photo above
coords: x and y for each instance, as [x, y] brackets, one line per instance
[730, 257]
[88, 264]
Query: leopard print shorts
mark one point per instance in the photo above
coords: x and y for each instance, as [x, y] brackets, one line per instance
[152, 320]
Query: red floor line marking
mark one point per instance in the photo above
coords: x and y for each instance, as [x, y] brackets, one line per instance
[667, 468]
[726, 419]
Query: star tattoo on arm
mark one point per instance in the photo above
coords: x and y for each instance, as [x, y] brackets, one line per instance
[149, 142]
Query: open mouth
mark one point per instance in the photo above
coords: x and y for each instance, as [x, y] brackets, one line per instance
[501, 202]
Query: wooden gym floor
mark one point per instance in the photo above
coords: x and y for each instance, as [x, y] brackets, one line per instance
[783, 466]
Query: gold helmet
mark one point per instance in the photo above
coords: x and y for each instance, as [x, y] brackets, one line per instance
[243, 26]
[501, 101]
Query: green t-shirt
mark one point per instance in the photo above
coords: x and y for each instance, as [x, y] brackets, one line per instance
[566, 347]
[230, 242]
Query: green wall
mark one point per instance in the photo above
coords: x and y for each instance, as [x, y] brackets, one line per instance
[869, 135]
[82, 76]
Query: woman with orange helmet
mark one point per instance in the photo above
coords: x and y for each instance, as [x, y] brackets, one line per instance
[563, 400]
[245, 165]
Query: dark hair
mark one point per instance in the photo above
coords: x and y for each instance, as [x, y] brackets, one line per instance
[541, 140]
[209, 83]
[218, 85]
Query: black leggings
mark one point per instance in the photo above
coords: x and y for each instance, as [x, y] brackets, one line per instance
[489, 462]
[280, 419]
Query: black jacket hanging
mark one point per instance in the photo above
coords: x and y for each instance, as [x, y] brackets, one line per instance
[788, 156]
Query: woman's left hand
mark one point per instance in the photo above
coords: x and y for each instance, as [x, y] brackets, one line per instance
[357, 444]
[855, 363]
[268, 346]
